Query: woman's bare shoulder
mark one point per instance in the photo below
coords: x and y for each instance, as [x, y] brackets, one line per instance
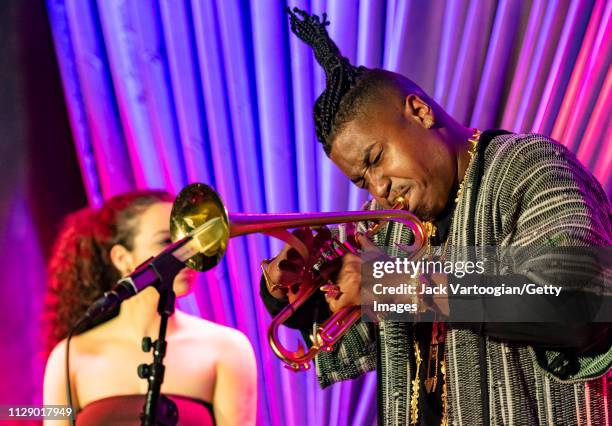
[57, 356]
[204, 330]
[89, 342]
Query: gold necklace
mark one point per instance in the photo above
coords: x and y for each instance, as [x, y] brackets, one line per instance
[430, 228]
[472, 151]
[430, 382]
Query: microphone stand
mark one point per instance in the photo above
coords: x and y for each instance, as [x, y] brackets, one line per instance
[159, 271]
[157, 409]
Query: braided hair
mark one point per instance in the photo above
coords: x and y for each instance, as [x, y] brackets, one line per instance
[348, 90]
[340, 75]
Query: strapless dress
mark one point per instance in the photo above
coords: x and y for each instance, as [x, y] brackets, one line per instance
[124, 410]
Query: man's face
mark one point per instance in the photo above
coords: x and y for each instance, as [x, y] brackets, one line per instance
[390, 153]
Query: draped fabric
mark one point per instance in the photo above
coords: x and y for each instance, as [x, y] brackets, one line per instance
[163, 93]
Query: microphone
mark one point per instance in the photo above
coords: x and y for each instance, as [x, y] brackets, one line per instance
[161, 269]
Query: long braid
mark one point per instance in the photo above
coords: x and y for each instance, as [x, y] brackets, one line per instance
[340, 75]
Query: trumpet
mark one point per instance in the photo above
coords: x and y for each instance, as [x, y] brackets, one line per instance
[199, 213]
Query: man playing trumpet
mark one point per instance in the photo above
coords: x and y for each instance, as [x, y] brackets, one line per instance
[489, 188]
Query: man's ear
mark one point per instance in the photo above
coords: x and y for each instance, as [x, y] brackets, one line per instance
[122, 259]
[415, 108]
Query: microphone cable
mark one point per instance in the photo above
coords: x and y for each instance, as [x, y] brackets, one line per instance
[73, 329]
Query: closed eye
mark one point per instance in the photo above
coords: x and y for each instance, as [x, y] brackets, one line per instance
[377, 159]
[367, 163]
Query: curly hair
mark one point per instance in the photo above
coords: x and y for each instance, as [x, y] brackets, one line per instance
[80, 269]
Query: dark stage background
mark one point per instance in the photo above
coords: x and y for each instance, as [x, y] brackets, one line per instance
[39, 183]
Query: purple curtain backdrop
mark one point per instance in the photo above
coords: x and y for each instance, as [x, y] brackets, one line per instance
[164, 93]
[39, 184]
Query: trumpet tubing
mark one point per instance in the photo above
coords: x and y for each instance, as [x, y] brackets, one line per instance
[198, 204]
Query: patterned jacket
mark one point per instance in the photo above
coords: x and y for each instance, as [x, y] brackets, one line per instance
[521, 190]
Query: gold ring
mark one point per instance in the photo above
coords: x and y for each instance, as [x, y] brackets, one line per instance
[270, 285]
